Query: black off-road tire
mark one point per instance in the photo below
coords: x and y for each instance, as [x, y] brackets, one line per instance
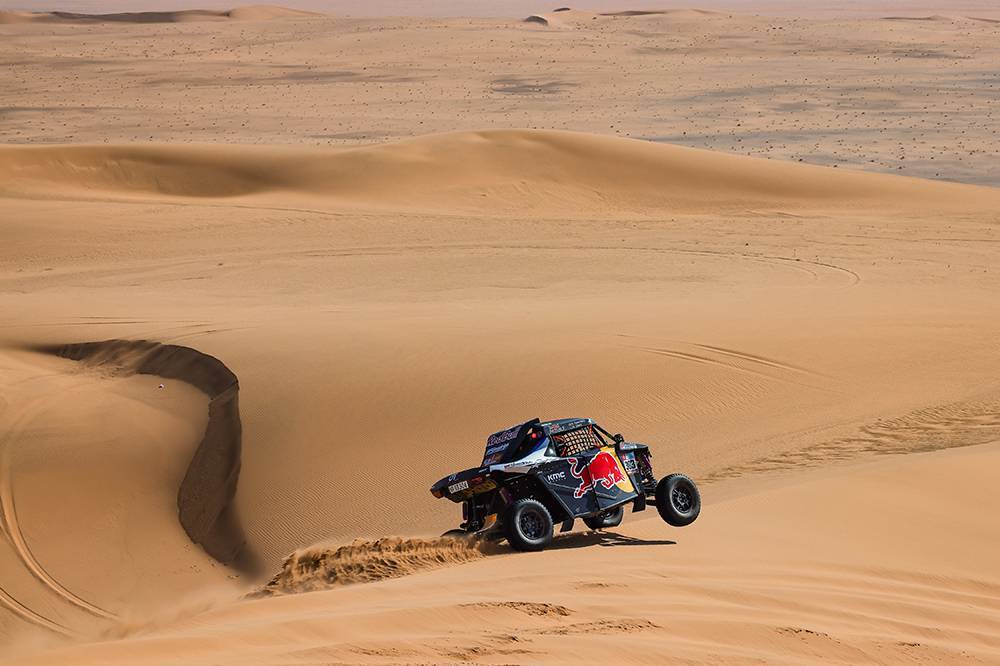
[678, 500]
[612, 518]
[527, 525]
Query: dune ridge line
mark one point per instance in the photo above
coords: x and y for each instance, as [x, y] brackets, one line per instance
[243, 13]
[494, 171]
[205, 497]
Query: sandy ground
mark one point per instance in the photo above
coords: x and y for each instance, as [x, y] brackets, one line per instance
[816, 346]
[915, 97]
[739, 586]
[489, 8]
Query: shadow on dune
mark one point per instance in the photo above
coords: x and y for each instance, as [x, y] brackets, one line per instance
[205, 497]
[567, 173]
[603, 538]
[251, 13]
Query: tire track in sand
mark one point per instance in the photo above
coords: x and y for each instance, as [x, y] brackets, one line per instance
[763, 360]
[11, 528]
[209, 483]
[948, 426]
[743, 362]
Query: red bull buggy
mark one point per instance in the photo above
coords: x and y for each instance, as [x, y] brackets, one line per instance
[540, 473]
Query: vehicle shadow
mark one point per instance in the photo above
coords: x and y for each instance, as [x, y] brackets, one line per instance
[603, 538]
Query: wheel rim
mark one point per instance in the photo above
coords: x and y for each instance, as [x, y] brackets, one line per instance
[681, 499]
[531, 525]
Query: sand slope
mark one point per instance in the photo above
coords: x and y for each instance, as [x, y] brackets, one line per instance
[746, 318]
[551, 171]
[419, 255]
[774, 575]
[567, 17]
[742, 82]
[205, 495]
[90, 513]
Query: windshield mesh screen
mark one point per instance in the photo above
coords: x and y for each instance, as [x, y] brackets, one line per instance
[577, 441]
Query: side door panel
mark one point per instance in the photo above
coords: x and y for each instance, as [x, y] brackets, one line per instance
[558, 477]
[589, 481]
[609, 479]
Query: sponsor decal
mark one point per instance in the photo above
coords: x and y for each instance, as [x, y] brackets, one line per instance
[455, 487]
[556, 477]
[503, 436]
[497, 448]
[602, 471]
[630, 464]
[563, 427]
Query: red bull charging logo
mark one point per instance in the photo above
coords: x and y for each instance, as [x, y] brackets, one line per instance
[601, 472]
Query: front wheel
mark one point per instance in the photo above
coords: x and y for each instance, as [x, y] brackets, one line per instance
[612, 518]
[528, 525]
[678, 500]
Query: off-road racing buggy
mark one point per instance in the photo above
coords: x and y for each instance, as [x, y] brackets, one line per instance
[540, 473]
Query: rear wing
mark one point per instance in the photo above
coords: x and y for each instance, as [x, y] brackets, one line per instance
[500, 445]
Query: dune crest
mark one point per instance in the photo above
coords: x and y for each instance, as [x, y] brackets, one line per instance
[567, 17]
[492, 171]
[675, 13]
[204, 499]
[246, 13]
[563, 17]
[943, 18]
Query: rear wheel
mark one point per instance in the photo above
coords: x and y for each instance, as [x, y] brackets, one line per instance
[528, 525]
[678, 500]
[612, 518]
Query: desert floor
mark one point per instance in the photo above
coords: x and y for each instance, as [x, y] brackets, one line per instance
[452, 225]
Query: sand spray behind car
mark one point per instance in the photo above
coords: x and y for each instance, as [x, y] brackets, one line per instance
[322, 566]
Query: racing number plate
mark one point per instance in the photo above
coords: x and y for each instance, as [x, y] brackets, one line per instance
[455, 487]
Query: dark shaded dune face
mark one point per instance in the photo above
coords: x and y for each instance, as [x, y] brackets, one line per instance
[133, 170]
[249, 13]
[636, 12]
[205, 497]
[141, 17]
[626, 13]
[565, 172]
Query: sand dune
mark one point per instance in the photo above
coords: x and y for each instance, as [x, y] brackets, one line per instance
[564, 17]
[110, 546]
[567, 17]
[640, 592]
[943, 18]
[746, 318]
[740, 82]
[498, 170]
[248, 13]
[674, 13]
[205, 496]
[814, 345]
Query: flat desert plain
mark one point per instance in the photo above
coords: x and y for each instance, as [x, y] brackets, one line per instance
[266, 275]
